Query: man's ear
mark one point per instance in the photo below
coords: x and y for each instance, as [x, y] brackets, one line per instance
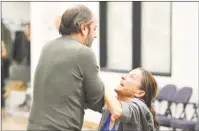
[140, 94]
[84, 29]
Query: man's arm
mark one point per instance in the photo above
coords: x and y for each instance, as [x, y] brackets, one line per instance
[113, 105]
[94, 87]
[119, 110]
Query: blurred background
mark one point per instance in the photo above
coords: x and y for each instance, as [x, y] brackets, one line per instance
[161, 37]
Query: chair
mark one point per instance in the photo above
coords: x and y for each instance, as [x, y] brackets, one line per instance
[197, 126]
[187, 125]
[182, 96]
[190, 125]
[166, 94]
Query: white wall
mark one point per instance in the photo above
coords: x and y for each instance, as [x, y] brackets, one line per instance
[15, 12]
[184, 44]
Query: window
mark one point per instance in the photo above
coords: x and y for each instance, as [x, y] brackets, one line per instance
[116, 37]
[119, 35]
[135, 34]
[156, 37]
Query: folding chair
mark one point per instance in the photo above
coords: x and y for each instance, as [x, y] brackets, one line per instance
[182, 96]
[185, 125]
[166, 94]
[197, 126]
[189, 125]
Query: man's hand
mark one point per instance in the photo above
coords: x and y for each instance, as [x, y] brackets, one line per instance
[113, 105]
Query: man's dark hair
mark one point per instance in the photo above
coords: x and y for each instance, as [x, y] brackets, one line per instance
[73, 18]
[27, 24]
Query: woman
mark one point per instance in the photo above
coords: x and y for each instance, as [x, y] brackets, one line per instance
[132, 109]
[3, 55]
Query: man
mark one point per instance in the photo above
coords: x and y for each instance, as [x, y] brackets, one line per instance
[66, 78]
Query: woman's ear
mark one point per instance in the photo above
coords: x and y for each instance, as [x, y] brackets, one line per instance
[84, 29]
[140, 94]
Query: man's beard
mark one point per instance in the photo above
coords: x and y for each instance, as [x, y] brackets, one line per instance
[89, 40]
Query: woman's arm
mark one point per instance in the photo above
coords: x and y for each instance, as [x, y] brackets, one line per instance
[3, 50]
[113, 105]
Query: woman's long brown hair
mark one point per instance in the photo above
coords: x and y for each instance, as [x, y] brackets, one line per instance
[150, 86]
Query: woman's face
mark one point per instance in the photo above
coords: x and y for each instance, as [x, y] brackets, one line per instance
[130, 84]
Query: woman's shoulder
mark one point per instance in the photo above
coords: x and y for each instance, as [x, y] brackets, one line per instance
[141, 104]
[138, 102]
